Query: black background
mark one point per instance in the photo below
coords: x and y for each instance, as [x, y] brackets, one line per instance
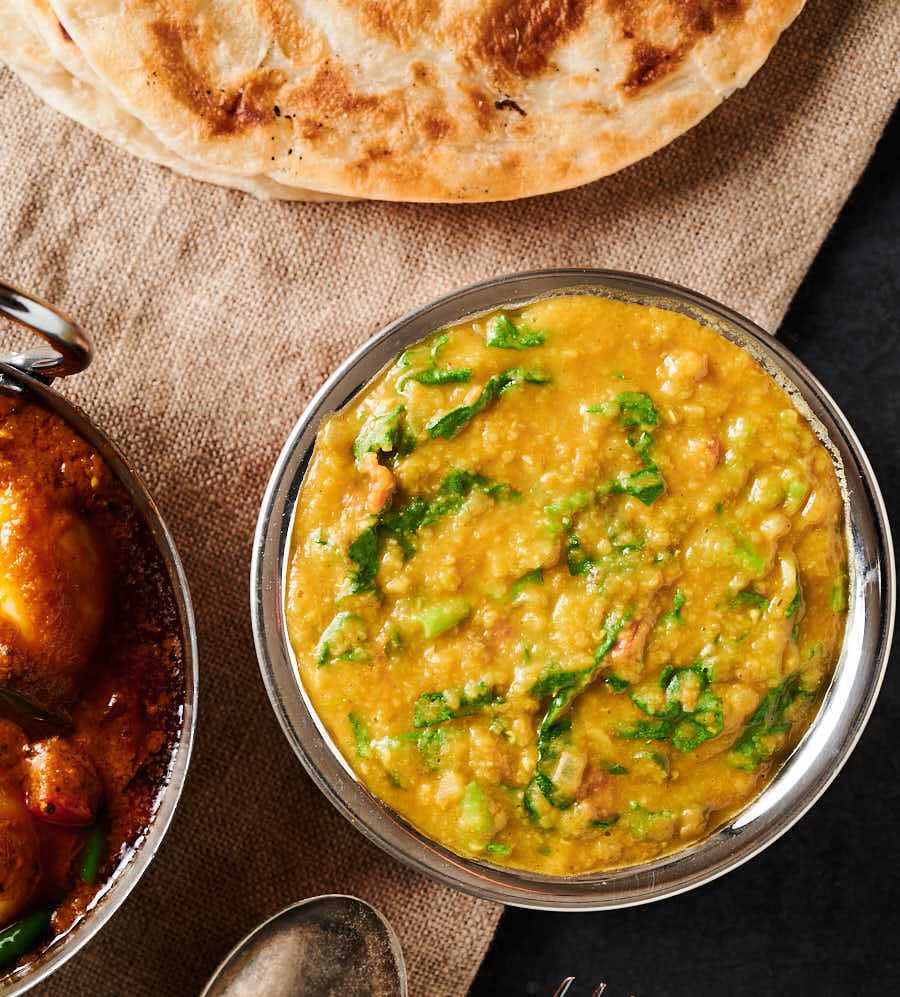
[817, 912]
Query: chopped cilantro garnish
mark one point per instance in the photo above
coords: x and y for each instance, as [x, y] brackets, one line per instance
[794, 604]
[615, 683]
[497, 848]
[504, 335]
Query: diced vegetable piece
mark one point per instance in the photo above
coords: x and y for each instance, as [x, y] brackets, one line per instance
[745, 554]
[361, 736]
[498, 848]
[21, 937]
[796, 494]
[614, 768]
[475, 819]
[380, 431]
[343, 639]
[567, 774]
[449, 424]
[503, 334]
[442, 616]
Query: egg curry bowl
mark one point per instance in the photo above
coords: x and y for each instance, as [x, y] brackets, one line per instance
[96, 679]
[571, 581]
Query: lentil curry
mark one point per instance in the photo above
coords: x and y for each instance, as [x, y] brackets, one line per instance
[565, 583]
[91, 683]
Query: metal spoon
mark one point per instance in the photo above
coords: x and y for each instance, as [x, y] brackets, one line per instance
[330, 946]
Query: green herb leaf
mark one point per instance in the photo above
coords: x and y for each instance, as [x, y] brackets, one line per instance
[434, 708]
[685, 729]
[364, 553]
[755, 744]
[449, 424]
[502, 334]
[530, 578]
[343, 640]
[361, 735]
[379, 432]
[637, 409]
[749, 598]
[673, 617]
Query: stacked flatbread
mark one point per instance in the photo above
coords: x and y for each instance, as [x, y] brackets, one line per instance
[407, 100]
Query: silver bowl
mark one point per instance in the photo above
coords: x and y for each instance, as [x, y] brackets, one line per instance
[802, 777]
[28, 374]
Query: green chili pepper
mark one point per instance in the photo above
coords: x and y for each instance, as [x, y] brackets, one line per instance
[22, 936]
[93, 855]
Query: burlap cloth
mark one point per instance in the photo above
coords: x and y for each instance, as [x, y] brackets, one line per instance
[216, 316]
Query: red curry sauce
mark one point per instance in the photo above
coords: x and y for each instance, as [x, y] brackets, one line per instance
[91, 680]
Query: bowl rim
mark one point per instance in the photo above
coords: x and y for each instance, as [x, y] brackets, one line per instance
[139, 856]
[801, 778]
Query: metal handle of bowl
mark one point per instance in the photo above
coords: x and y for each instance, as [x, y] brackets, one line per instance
[68, 349]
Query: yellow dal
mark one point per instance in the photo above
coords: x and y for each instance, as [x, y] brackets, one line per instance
[705, 575]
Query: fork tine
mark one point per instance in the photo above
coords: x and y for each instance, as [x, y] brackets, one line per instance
[564, 987]
[601, 988]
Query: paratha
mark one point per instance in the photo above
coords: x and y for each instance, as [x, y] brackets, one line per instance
[423, 100]
[70, 88]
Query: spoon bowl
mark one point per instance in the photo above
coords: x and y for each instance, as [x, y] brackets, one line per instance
[328, 946]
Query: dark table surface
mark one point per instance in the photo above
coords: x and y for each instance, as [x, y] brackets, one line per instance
[819, 911]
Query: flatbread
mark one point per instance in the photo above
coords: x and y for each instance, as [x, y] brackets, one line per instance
[427, 100]
[24, 49]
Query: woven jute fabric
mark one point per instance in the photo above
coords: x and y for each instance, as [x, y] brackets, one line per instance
[215, 317]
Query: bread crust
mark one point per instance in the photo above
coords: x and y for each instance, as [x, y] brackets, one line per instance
[423, 100]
